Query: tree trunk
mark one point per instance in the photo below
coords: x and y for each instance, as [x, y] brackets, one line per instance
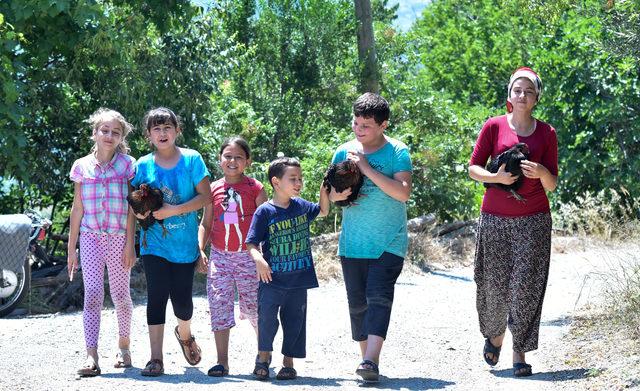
[366, 47]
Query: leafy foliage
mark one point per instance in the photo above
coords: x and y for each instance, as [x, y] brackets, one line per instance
[283, 75]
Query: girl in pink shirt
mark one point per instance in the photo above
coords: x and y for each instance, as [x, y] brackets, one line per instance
[100, 218]
[225, 223]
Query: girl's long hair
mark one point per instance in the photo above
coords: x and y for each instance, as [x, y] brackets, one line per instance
[104, 114]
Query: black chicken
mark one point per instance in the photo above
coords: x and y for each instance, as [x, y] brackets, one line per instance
[512, 158]
[342, 176]
[147, 199]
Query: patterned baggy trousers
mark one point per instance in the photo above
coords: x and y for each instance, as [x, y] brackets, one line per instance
[511, 270]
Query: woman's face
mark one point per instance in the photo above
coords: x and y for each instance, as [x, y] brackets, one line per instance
[523, 95]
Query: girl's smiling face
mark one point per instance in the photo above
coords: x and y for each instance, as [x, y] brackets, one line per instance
[108, 135]
[163, 136]
[233, 161]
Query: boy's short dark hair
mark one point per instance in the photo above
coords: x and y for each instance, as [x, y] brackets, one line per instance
[279, 165]
[372, 105]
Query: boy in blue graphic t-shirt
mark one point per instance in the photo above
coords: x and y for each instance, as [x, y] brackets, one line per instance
[280, 227]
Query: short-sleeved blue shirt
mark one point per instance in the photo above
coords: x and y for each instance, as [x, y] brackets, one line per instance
[285, 238]
[377, 222]
[178, 184]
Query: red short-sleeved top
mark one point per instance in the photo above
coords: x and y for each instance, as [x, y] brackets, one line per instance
[495, 137]
[233, 209]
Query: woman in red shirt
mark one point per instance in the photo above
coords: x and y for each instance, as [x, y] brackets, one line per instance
[514, 236]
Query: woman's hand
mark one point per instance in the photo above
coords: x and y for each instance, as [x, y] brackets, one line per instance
[533, 170]
[504, 177]
[165, 212]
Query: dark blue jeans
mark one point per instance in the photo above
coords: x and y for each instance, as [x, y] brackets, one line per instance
[292, 306]
[370, 285]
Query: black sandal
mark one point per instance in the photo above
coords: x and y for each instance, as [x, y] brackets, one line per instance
[217, 370]
[370, 374]
[286, 373]
[154, 368]
[522, 369]
[261, 366]
[489, 348]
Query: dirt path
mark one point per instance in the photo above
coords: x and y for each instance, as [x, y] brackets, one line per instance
[433, 343]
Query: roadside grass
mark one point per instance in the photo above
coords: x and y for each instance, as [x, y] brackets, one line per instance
[606, 338]
[610, 219]
[607, 215]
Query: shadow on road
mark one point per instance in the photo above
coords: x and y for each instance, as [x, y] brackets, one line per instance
[194, 375]
[561, 321]
[563, 375]
[409, 383]
[451, 276]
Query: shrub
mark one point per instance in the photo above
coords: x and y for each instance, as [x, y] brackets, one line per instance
[607, 214]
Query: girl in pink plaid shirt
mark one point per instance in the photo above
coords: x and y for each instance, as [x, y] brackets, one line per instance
[100, 218]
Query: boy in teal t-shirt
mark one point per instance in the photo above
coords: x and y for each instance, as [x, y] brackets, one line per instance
[373, 240]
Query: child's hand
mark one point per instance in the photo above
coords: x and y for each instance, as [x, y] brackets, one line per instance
[128, 256]
[142, 216]
[263, 270]
[203, 263]
[72, 263]
[339, 196]
[360, 159]
[165, 212]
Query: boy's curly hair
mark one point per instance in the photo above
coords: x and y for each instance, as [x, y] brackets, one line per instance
[372, 105]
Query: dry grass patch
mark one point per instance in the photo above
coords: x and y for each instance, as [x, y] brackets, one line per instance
[598, 342]
[325, 257]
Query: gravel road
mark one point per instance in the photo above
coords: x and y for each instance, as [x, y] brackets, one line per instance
[433, 343]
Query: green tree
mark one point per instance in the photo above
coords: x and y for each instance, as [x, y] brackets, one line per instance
[467, 51]
[74, 57]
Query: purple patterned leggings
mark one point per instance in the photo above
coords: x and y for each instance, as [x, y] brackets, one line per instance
[96, 251]
[228, 271]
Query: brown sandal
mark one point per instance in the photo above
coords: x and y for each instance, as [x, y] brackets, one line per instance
[190, 348]
[154, 368]
[89, 369]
